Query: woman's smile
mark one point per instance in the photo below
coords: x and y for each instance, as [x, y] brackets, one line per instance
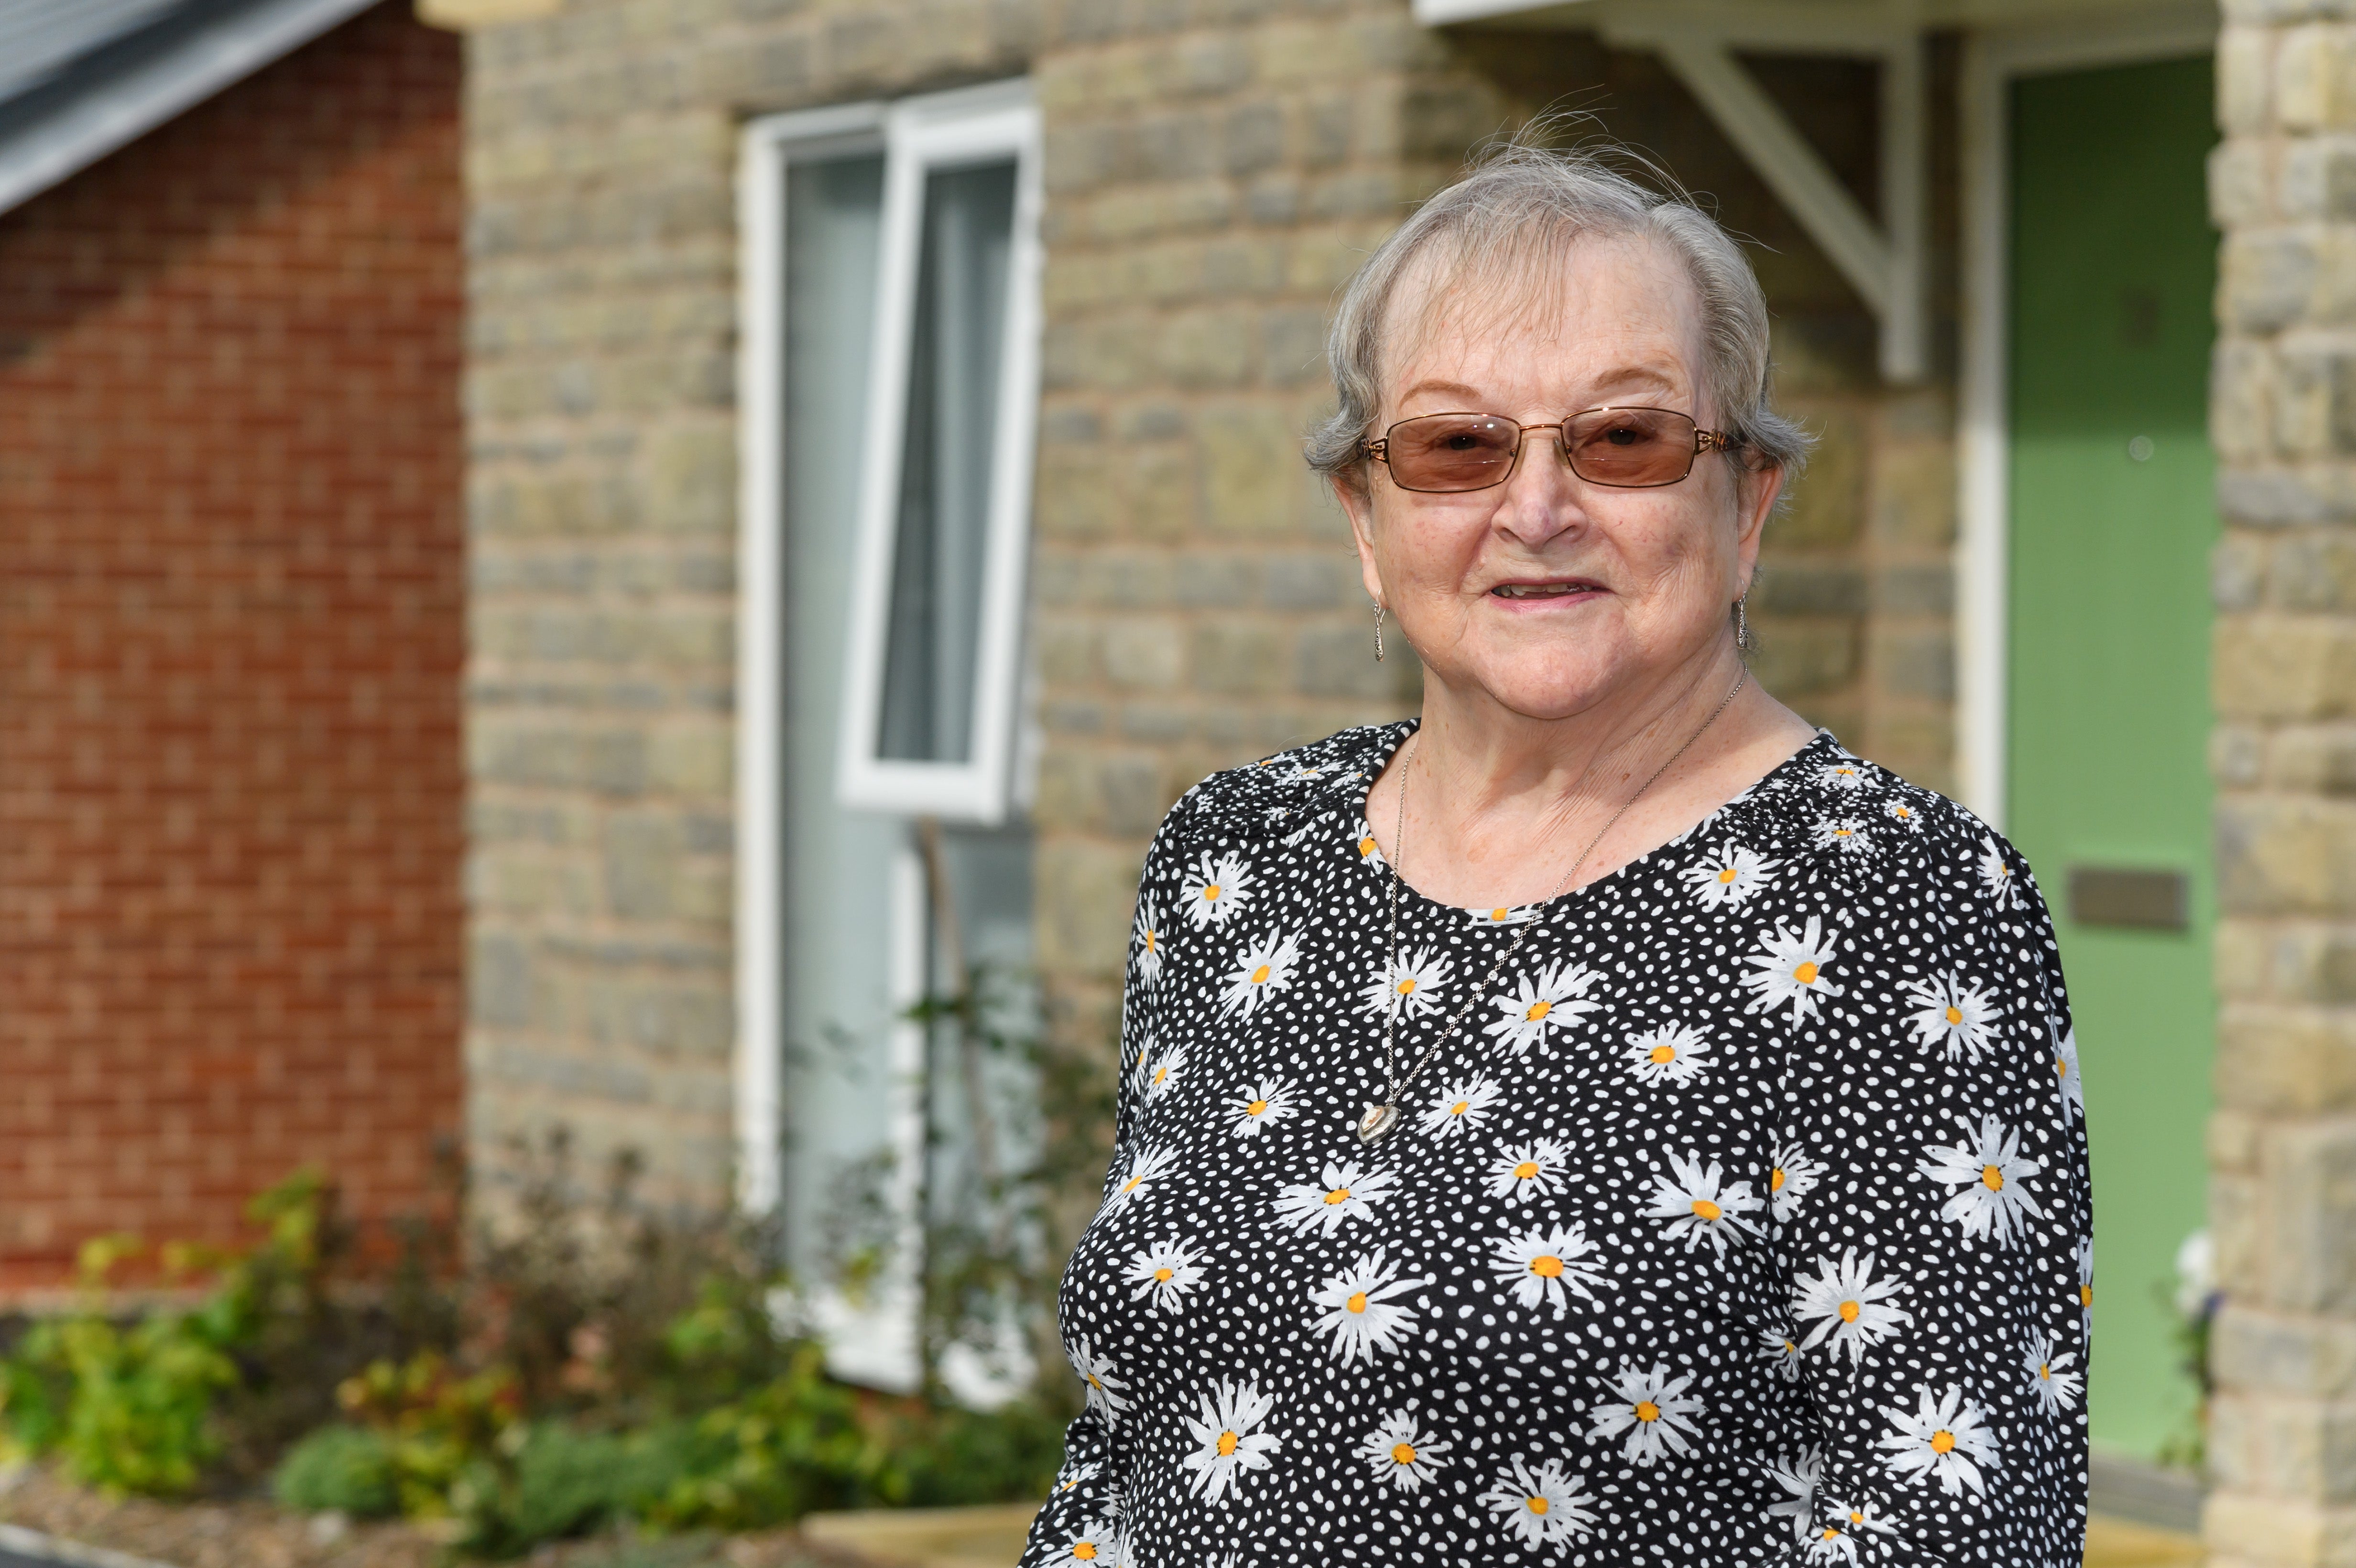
[1523, 594]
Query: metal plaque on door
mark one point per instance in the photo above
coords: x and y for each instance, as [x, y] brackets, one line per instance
[2137, 898]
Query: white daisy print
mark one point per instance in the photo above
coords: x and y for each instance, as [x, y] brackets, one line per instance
[1554, 998]
[1103, 1385]
[1843, 775]
[1839, 1542]
[1261, 1104]
[1958, 1020]
[2065, 1068]
[1076, 1475]
[1947, 1439]
[1782, 1348]
[1798, 1481]
[1163, 1075]
[1409, 983]
[1698, 1203]
[1831, 1544]
[2055, 1386]
[1792, 1177]
[1903, 812]
[1790, 968]
[1995, 876]
[1145, 942]
[1670, 1054]
[1262, 969]
[1144, 1168]
[1524, 1171]
[1726, 879]
[1361, 1309]
[1542, 1505]
[1994, 1198]
[1402, 1453]
[1845, 835]
[1652, 1409]
[1518, 914]
[1097, 1543]
[1216, 889]
[2085, 1288]
[1853, 1310]
[1163, 1273]
[1231, 1438]
[1547, 1267]
[1343, 1194]
[1362, 839]
[1459, 1107]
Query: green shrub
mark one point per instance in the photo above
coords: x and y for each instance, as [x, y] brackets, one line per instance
[560, 1481]
[440, 1425]
[347, 1470]
[793, 1444]
[953, 1455]
[129, 1409]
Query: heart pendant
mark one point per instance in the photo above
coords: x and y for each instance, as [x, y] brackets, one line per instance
[1376, 1123]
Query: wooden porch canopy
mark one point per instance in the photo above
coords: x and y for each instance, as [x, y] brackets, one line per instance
[1701, 41]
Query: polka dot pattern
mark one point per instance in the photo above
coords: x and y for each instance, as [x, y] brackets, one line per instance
[1744, 1218]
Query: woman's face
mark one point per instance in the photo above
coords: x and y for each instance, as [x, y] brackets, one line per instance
[1549, 593]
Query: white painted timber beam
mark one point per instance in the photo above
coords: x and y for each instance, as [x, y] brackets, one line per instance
[1885, 267]
[1906, 212]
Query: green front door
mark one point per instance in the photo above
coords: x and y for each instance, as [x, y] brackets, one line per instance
[2112, 520]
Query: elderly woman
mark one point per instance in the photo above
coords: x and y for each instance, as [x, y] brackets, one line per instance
[1603, 1122]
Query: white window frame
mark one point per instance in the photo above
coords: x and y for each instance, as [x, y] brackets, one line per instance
[766, 147]
[920, 135]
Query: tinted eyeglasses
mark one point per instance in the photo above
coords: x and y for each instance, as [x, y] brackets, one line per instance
[1630, 449]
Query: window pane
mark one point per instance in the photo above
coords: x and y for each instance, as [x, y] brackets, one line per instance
[944, 512]
[838, 916]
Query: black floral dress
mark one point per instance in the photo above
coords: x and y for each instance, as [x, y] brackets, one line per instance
[1744, 1220]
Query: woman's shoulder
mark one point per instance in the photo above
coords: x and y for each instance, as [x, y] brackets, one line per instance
[1860, 820]
[1277, 795]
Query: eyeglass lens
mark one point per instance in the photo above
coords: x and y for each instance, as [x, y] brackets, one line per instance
[1633, 448]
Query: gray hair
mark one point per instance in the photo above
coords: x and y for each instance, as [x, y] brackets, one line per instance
[1520, 204]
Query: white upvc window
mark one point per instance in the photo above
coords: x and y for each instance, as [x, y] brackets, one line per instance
[930, 698]
[888, 382]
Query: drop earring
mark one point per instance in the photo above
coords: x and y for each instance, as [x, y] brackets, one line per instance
[1379, 631]
[1742, 626]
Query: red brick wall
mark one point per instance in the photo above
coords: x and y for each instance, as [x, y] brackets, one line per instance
[232, 607]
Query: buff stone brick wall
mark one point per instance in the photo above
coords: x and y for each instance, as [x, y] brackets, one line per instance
[2282, 1143]
[231, 636]
[1214, 169]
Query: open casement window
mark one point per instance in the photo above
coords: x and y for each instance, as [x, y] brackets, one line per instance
[879, 638]
[935, 654]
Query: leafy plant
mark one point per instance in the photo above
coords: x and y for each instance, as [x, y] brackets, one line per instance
[794, 1444]
[129, 1409]
[438, 1424]
[555, 1481]
[2193, 1300]
[345, 1469]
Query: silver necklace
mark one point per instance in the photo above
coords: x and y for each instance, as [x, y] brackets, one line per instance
[1381, 1116]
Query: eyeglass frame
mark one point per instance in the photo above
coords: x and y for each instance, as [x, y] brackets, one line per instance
[1704, 440]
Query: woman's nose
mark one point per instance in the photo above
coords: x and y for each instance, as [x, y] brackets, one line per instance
[1541, 498]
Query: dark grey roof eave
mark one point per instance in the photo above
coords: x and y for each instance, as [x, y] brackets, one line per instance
[120, 92]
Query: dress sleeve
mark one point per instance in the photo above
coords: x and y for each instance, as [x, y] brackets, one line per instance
[1931, 1225]
[1084, 1510]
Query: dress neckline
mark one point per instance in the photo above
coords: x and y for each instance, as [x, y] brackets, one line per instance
[1394, 736]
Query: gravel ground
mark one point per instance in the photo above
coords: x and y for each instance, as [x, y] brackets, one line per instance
[253, 1533]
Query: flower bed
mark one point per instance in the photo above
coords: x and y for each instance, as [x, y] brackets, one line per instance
[589, 1372]
[253, 1533]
